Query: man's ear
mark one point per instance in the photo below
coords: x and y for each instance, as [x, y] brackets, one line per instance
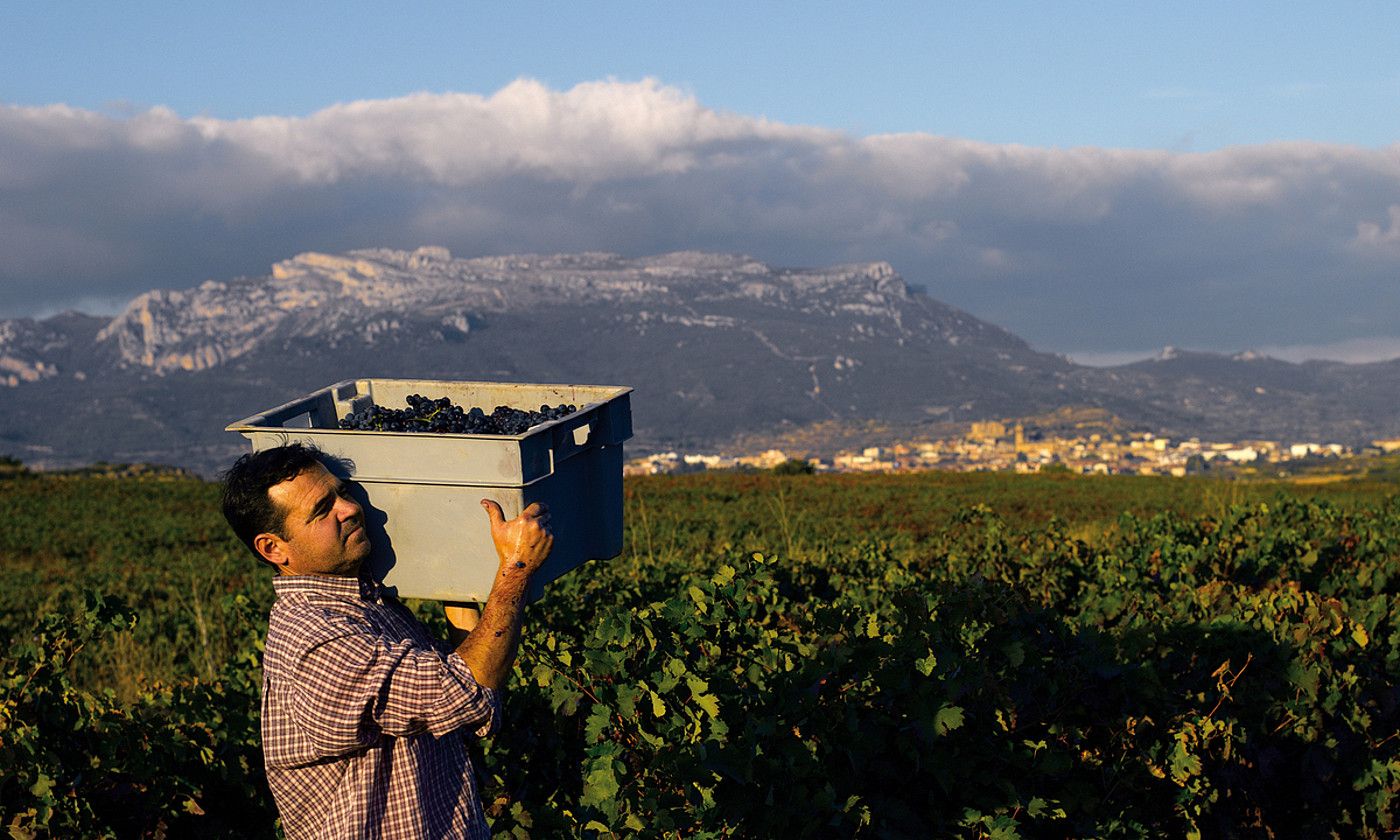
[273, 549]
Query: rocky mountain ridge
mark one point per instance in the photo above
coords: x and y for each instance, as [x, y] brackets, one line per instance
[716, 345]
[313, 295]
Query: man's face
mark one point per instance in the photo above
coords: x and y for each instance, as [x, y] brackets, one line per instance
[324, 528]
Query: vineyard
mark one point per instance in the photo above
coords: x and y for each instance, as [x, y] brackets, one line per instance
[888, 656]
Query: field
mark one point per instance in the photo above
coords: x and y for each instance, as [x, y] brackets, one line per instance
[893, 656]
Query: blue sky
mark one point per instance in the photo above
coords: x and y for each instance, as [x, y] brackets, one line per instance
[1135, 75]
[1102, 179]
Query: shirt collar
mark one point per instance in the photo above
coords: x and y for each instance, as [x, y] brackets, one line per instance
[361, 587]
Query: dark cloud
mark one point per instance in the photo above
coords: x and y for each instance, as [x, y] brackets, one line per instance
[1094, 250]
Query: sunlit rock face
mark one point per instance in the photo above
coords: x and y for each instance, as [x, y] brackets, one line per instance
[369, 294]
[25, 345]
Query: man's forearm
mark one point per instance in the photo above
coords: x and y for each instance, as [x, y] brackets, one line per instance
[522, 544]
[489, 649]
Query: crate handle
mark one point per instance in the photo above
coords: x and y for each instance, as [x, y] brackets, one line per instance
[281, 415]
[568, 442]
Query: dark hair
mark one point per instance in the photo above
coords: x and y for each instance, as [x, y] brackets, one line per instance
[245, 503]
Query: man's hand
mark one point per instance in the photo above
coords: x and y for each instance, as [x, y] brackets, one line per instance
[525, 541]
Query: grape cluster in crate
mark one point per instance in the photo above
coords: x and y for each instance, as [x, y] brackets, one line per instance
[445, 417]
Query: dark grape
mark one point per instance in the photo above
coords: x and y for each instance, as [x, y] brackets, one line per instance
[444, 417]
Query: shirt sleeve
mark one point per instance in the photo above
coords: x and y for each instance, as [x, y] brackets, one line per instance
[351, 686]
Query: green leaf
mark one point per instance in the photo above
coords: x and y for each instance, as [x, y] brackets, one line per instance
[627, 700]
[598, 721]
[723, 576]
[1040, 808]
[1004, 828]
[699, 692]
[699, 598]
[600, 787]
[1303, 677]
[926, 665]
[947, 719]
[658, 706]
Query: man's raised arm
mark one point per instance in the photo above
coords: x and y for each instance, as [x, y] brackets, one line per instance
[522, 544]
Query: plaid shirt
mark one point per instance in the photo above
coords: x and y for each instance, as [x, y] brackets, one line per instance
[361, 713]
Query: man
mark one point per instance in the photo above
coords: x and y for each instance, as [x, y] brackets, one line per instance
[362, 710]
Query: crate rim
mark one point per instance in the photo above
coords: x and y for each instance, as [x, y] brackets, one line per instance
[247, 424]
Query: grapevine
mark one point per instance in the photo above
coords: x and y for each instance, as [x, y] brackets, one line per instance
[930, 656]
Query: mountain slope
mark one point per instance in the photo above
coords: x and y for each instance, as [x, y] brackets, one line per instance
[715, 345]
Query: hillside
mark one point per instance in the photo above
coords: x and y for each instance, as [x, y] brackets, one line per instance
[718, 346]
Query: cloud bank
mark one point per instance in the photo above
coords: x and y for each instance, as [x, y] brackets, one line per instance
[1079, 250]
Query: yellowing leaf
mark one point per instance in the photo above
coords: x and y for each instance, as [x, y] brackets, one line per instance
[926, 665]
[707, 795]
[699, 598]
[709, 703]
[1184, 764]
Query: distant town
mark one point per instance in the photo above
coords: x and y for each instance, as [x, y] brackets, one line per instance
[1012, 447]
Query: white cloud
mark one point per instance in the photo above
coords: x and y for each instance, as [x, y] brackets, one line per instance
[1284, 243]
[1371, 236]
[1111, 358]
[592, 132]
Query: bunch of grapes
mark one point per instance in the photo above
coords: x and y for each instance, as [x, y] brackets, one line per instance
[442, 416]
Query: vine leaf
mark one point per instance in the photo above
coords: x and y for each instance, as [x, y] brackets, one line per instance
[947, 719]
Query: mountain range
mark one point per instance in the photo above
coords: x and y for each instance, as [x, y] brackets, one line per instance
[716, 345]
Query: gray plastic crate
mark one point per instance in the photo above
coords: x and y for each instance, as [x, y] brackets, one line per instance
[421, 491]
